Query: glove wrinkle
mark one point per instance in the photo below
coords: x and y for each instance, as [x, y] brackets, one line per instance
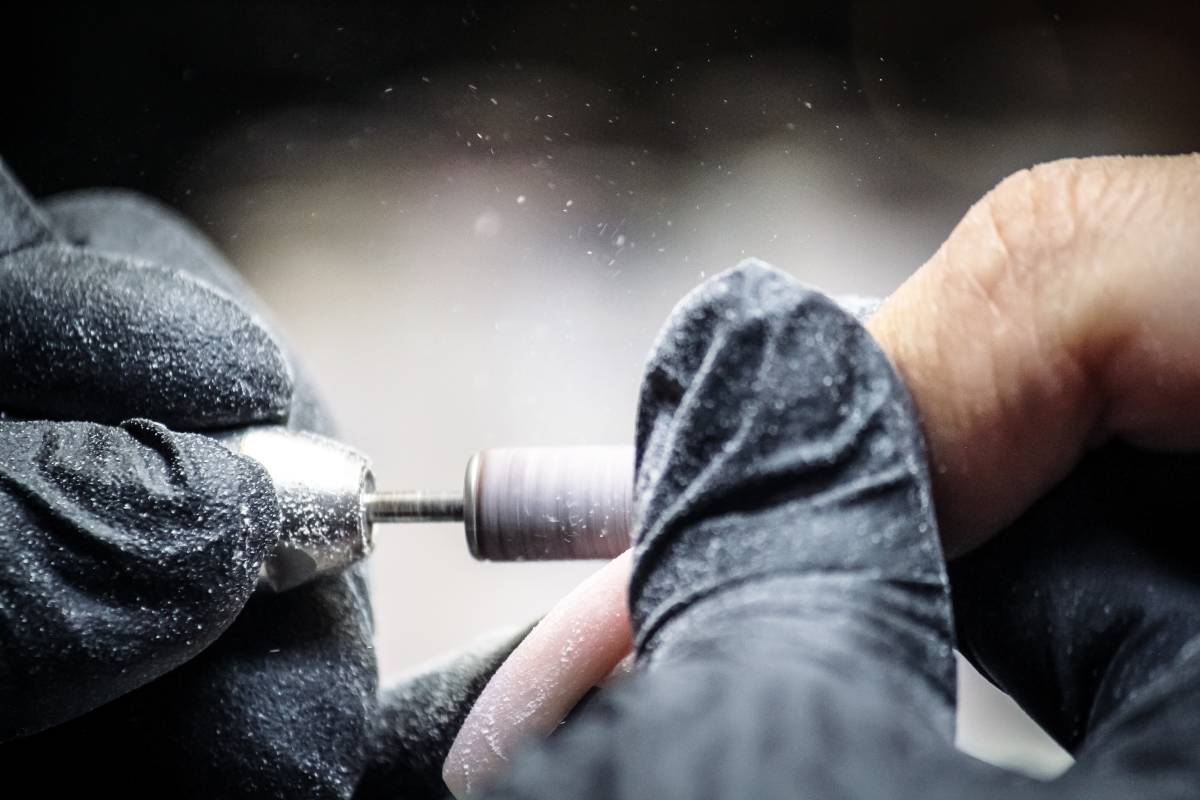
[773, 434]
[129, 562]
[158, 439]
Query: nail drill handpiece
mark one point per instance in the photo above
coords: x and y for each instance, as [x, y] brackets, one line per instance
[517, 504]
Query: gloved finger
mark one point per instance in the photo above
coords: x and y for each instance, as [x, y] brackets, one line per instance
[124, 552]
[131, 225]
[281, 705]
[86, 336]
[268, 710]
[762, 398]
[1092, 598]
[189, 734]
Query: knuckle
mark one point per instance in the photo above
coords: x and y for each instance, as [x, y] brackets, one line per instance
[1014, 256]
[1038, 213]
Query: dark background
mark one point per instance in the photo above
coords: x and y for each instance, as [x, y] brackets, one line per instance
[126, 94]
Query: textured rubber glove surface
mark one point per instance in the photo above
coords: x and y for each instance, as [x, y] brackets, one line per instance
[1090, 603]
[123, 553]
[776, 444]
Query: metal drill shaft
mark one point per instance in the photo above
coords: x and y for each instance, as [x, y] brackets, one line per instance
[383, 507]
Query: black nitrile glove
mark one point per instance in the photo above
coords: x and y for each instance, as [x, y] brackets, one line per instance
[284, 703]
[1087, 610]
[789, 597]
[125, 549]
[780, 471]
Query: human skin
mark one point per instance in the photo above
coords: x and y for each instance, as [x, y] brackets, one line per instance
[1062, 311]
[571, 650]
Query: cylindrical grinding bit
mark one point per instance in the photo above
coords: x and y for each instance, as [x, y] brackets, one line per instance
[548, 503]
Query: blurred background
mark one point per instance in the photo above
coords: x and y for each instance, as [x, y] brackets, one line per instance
[472, 217]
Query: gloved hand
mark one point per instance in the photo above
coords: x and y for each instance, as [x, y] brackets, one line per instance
[285, 702]
[1087, 609]
[125, 548]
[780, 471]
